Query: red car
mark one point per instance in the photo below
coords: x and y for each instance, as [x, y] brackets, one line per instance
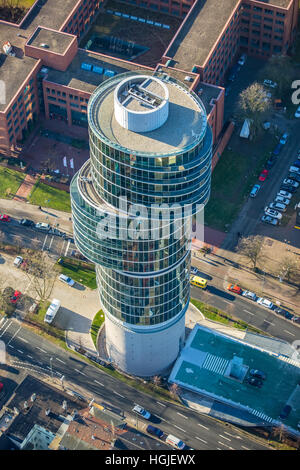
[1, 386]
[234, 288]
[263, 175]
[4, 218]
[14, 299]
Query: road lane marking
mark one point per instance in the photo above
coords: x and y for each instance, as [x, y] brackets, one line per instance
[29, 356]
[289, 332]
[11, 346]
[243, 447]
[179, 428]
[25, 340]
[51, 241]
[79, 372]
[41, 349]
[5, 329]
[67, 248]
[19, 350]
[225, 445]
[231, 435]
[202, 426]
[266, 321]
[185, 417]
[161, 404]
[199, 439]
[60, 360]
[118, 394]
[99, 383]
[227, 438]
[14, 335]
[247, 311]
[44, 242]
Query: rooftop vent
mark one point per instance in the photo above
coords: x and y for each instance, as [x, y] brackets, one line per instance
[187, 78]
[45, 46]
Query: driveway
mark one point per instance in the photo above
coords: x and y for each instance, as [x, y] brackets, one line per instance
[79, 304]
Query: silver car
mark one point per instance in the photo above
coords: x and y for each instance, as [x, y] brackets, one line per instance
[273, 213]
[278, 206]
[249, 295]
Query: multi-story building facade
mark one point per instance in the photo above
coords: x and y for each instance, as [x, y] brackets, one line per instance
[150, 144]
[204, 47]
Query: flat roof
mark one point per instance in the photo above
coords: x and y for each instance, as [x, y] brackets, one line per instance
[85, 80]
[200, 31]
[204, 363]
[276, 3]
[52, 14]
[208, 93]
[13, 70]
[185, 124]
[56, 41]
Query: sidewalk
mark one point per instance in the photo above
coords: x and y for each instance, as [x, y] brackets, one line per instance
[25, 210]
[25, 188]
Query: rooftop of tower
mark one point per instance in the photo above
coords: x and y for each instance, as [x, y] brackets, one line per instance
[184, 127]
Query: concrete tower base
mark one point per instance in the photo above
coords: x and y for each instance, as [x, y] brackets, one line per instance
[144, 351]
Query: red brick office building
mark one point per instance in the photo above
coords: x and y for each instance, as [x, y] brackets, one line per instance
[50, 74]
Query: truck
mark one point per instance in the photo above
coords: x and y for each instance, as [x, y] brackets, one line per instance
[52, 311]
[245, 132]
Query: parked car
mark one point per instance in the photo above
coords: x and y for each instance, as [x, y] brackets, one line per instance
[289, 315]
[154, 431]
[1, 387]
[249, 295]
[14, 299]
[4, 218]
[258, 374]
[242, 59]
[18, 261]
[255, 382]
[288, 188]
[278, 206]
[271, 162]
[290, 182]
[263, 175]
[266, 219]
[280, 311]
[66, 280]
[284, 194]
[272, 213]
[175, 442]
[234, 288]
[285, 412]
[269, 83]
[195, 271]
[255, 190]
[265, 302]
[141, 411]
[42, 226]
[294, 169]
[283, 200]
[26, 222]
[284, 138]
[297, 113]
[297, 163]
[277, 150]
[294, 177]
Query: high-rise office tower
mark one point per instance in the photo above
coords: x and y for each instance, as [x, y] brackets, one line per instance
[150, 159]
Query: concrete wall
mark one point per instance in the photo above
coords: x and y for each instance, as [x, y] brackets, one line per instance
[146, 352]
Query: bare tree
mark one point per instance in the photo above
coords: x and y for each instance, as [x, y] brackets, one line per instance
[253, 104]
[174, 390]
[157, 380]
[251, 248]
[288, 268]
[42, 273]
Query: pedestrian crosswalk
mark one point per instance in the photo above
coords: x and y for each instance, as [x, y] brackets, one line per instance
[290, 361]
[262, 416]
[215, 364]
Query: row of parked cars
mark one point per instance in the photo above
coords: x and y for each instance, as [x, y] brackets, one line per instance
[263, 302]
[274, 211]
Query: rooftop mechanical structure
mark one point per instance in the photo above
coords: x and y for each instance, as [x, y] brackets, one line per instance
[150, 158]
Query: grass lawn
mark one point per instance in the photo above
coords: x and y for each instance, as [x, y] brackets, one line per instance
[38, 319]
[58, 199]
[233, 178]
[10, 182]
[80, 271]
[97, 322]
[213, 313]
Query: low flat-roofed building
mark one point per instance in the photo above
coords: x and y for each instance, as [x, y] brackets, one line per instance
[219, 366]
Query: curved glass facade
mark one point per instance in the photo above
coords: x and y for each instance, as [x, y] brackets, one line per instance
[142, 266]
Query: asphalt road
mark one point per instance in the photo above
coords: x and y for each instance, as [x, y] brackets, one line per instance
[245, 309]
[32, 353]
[16, 234]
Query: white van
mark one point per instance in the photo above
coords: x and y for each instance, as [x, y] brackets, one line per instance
[52, 311]
[175, 442]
